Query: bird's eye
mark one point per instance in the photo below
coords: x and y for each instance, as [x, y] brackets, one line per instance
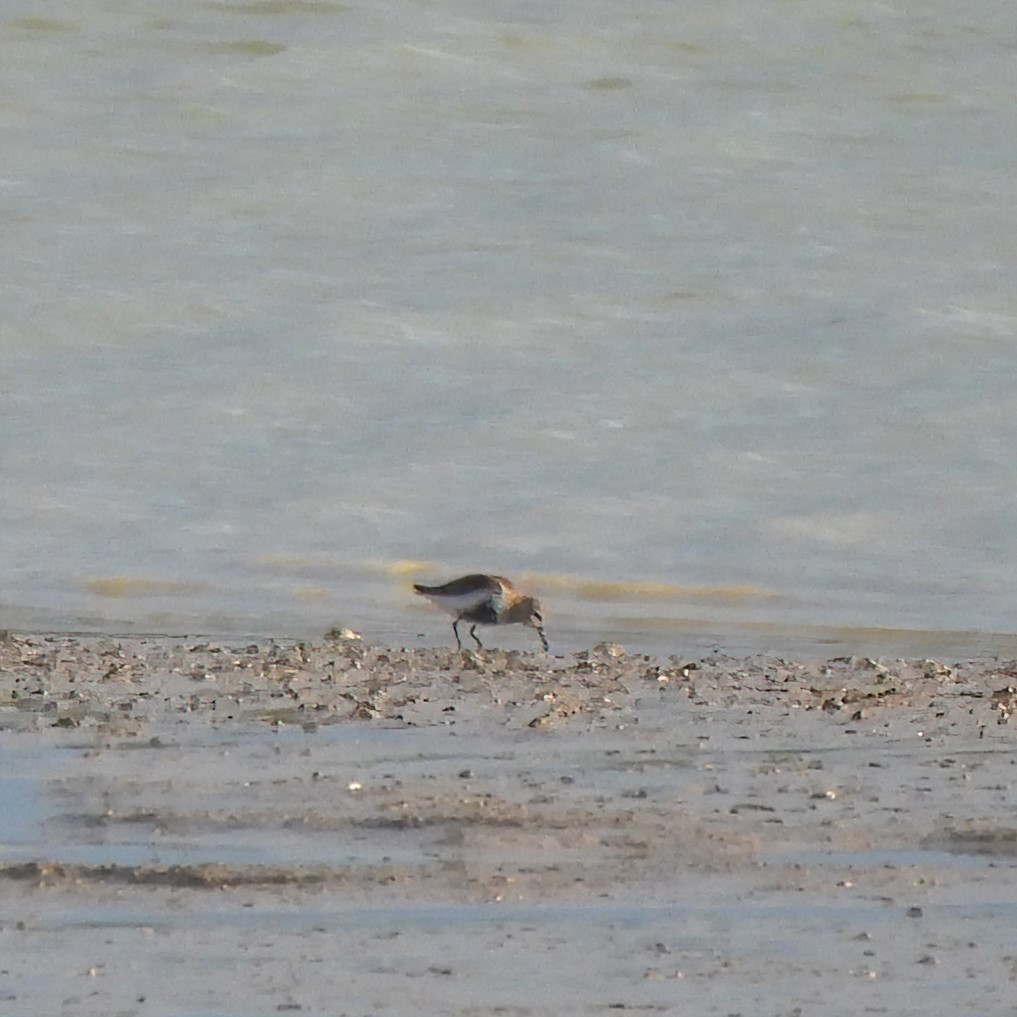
[539, 617]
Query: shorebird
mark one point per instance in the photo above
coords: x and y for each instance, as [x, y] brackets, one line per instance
[484, 600]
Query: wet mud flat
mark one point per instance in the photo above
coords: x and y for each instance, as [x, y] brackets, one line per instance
[204, 827]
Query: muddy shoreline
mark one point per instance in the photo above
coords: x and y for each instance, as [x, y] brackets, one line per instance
[656, 834]
[73, 680]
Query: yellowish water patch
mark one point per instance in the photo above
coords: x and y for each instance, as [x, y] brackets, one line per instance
[312, 593]
[405, 567]
[43, 26]
[680, 46]
[596, 590]
[199, 113]
[280, 7]
[829, 640]
[280, 559]
[250, 47]
[609, 83]
[120, 587]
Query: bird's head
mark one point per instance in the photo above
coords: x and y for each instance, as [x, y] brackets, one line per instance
[535, 618]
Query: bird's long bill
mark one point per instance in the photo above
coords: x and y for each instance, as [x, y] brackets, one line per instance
[543, 638]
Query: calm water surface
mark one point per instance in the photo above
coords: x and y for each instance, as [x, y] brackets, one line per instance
[699, 317]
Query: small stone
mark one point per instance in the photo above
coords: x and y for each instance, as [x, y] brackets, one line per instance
[338, 634]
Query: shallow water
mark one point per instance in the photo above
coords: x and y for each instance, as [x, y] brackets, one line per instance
[755, 836]
[700, 316]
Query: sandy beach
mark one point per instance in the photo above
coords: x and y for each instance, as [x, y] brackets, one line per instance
[202, 827]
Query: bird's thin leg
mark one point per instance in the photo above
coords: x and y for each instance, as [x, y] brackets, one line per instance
[543, 638]
[455, 629]
[476, 638]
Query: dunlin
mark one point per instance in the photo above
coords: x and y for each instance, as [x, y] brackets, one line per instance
[484, 600]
